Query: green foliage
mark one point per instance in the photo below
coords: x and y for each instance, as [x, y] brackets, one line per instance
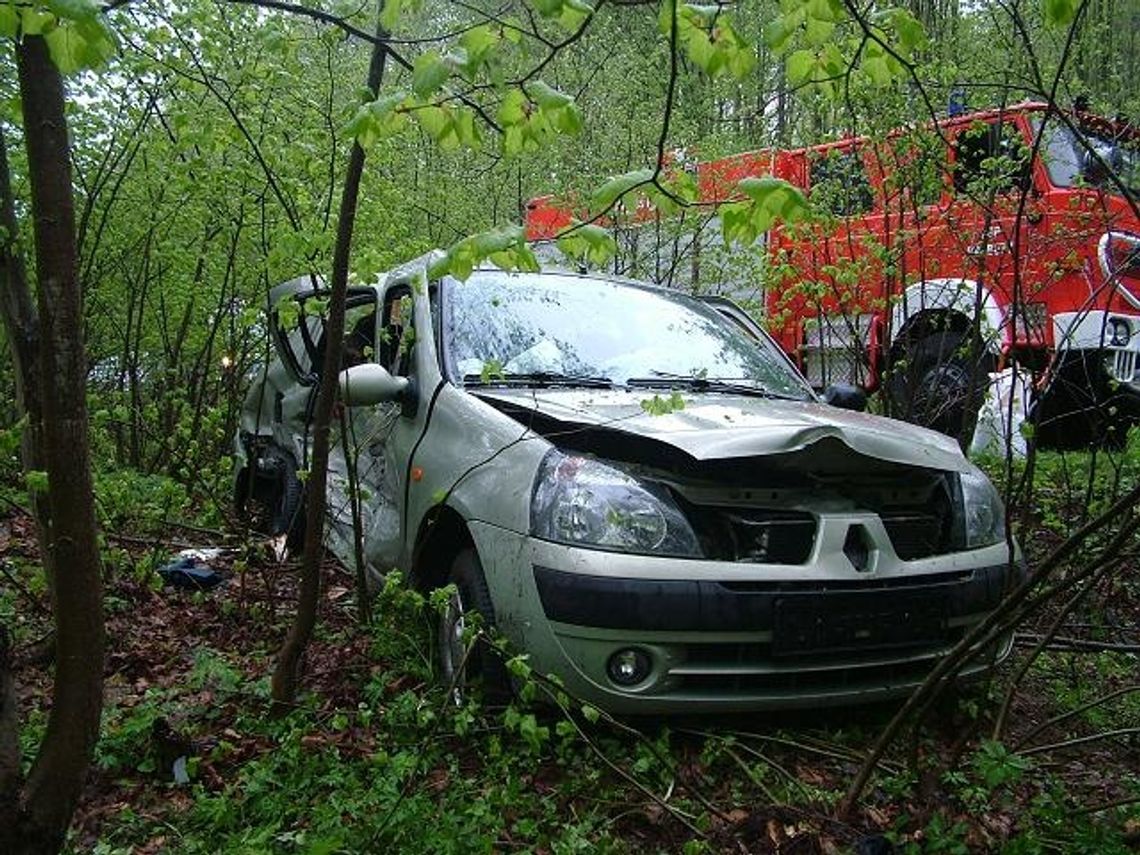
[589, 243]
[997, 765]
[709, 38]
[379, 119]
[1059, 13]
[533, 115]
[75, 31]
[768, 200]
[505, 247]
[571, 14]
[659, 406]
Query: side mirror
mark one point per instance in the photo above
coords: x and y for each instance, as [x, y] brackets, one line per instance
[369, 383]
[846, 397]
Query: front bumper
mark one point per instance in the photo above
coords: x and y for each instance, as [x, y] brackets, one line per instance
[725, 637]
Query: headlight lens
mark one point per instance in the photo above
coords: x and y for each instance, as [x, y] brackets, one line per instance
[983, 510]
[579, 500]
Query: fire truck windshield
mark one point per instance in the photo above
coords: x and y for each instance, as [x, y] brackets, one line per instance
[1086, 159]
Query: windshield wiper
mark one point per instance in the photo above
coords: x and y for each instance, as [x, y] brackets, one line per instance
[541, 379]
[733, 385]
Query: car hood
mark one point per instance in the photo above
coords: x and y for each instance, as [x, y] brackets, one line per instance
[715, 426]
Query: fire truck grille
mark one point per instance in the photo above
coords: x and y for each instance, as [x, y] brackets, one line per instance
[1123, 366]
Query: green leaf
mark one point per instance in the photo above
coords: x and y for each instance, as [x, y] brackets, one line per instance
[514, 110]
[589, 242]
[435, 120]
[778, 33]
[34, 22]
[75, 10]
[908, 30]
[467, 129]
[570, 13]
[478, 42]
[800, 66]
[505, 247]
[877, 70]
[567, 120]
[547, 97]
[1059, 13]
[768, 200]
[658, 406]
[605, 196]
[429, 73]
[67, 49]
[9, 21]
[393, 9]
[378, 119]
[817, 32]
[492, 370]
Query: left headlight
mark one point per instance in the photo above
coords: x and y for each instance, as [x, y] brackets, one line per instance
[580, 501]
[982, 509]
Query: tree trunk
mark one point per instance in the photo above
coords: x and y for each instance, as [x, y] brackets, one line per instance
[286, 674]
[39, 821]
[22, 327]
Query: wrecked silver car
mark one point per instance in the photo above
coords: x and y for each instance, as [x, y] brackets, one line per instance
[635, 488]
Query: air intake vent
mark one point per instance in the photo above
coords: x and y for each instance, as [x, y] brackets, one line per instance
[859, 548]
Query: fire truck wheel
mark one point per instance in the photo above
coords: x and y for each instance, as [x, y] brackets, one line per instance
[933, 387]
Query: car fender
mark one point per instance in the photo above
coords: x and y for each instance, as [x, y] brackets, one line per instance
[477, 461]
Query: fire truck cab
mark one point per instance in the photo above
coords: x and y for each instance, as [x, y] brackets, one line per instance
[944, 256]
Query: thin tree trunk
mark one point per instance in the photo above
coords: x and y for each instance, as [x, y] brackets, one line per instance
[286, 674]
[22, 326]
[55, 781]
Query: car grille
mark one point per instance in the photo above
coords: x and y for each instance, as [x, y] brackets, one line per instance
[913, 534]
[763, 536]
[771, 537]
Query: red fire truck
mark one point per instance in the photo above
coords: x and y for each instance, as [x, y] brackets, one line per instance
[937, 257]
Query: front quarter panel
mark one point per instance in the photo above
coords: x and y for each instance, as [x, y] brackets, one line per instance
[477, 461]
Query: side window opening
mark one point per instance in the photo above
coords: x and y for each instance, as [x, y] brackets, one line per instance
[398, 334]
[298, 324]
[991, 158]
[839, 183]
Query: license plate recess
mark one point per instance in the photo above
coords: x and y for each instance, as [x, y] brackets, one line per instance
[852, 623]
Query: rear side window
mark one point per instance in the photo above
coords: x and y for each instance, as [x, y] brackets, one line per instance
[839, 183]
[990, 158]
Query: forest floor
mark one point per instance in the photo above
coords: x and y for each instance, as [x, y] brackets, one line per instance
[374, 758]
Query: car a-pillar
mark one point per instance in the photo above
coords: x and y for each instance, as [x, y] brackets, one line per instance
[937, 372]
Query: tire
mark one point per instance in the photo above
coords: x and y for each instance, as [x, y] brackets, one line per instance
[1083, 408]
[483, 666]
[275, 504]
[933, 388]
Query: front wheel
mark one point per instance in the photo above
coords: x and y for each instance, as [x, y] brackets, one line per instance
[464, 663]
[941, 385]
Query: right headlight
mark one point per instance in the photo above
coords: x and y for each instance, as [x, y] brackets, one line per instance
[983, 513]
[583, 502]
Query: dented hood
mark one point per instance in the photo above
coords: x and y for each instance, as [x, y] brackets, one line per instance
[715, 426]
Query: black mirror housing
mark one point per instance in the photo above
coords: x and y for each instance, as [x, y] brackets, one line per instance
[846, 396]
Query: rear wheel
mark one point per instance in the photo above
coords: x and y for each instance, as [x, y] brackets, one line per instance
[270, 499]
[941, 384]
[462, 668]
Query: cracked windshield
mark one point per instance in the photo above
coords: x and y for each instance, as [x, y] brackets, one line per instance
[575, 329]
